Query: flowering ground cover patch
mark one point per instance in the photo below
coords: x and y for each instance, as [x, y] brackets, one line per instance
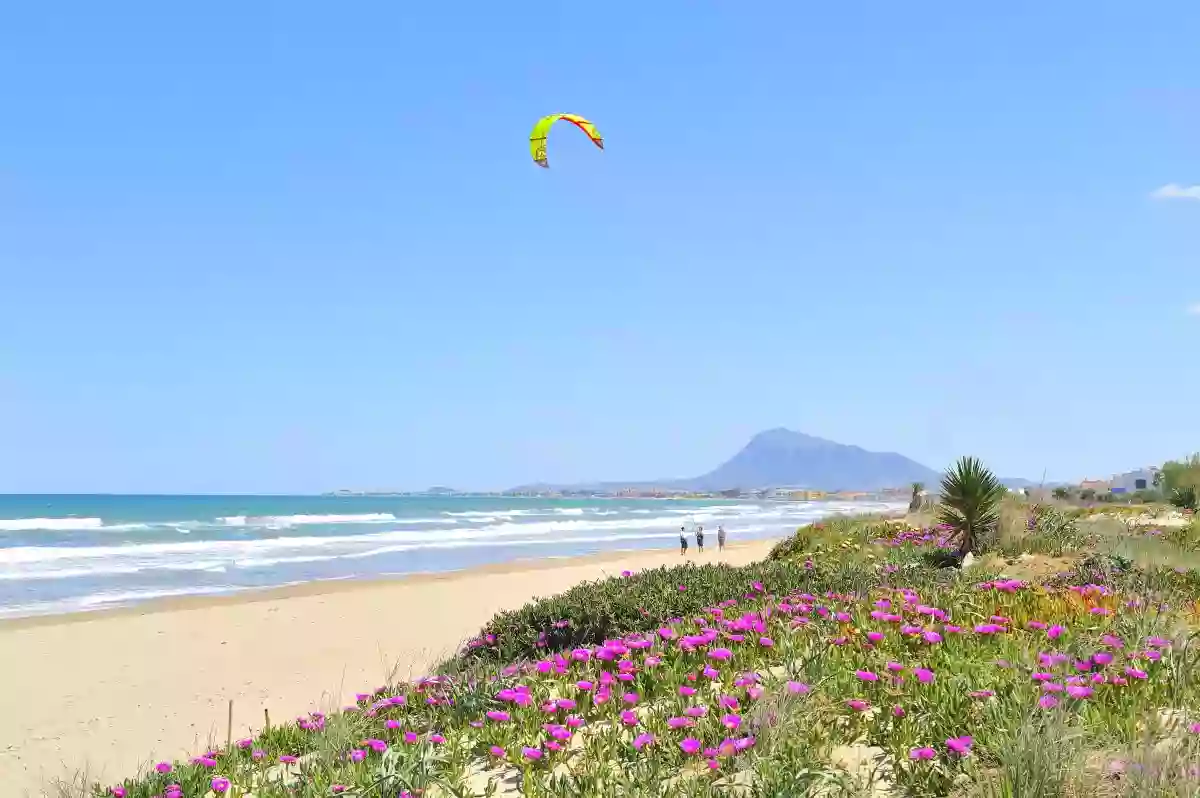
[827, 672]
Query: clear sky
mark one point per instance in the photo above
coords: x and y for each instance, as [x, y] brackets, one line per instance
[297, 246]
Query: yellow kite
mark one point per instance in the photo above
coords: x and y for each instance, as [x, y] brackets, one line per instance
[537, 139]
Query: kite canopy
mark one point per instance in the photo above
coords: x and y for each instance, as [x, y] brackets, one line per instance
[537, 139]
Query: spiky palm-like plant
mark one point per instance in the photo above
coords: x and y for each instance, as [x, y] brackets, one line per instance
[970, 505]
[914, 503]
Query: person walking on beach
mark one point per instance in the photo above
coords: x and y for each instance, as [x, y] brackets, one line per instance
[682, 541]
[721, 538]
[700, 539]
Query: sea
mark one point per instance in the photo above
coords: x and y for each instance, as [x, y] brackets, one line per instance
[63, 554]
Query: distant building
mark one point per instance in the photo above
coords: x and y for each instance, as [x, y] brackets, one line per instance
[1098, 485]
[1142, 479]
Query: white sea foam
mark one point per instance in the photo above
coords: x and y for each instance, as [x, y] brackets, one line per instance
[61, 524]
[46, 562]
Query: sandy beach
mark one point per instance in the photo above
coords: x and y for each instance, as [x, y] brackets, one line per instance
[110, 692]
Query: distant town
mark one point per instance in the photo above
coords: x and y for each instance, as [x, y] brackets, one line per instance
[776, 494]
[1128, 483]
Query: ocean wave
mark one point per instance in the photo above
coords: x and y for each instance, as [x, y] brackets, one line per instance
[59, 524]
[46, 562]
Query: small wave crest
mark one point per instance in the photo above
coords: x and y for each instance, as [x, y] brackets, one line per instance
[51, 524]
[300, 520]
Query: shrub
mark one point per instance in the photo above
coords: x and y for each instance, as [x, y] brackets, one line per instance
[970, 507]
[592, 612]
[1185, 498]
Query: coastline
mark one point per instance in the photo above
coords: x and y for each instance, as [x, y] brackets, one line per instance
[333, 586]
[119, 688]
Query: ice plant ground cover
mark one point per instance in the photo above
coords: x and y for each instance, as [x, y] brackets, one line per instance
[846, 667]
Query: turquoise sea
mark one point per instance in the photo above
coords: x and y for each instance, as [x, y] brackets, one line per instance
[73, 553]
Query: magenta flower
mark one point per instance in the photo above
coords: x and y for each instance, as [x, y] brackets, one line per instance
[1079, 691]
[867, 676]
[1047, 702]
[358, 755]
[720, 654]
[898, 711]
[257, 754]
[117, 792]
[288, 759]
[696, 712]
[498, 752]
[680, 723]
[205, 761]
[731, 721]
[689, 745]
[220, 785]
[163, 767]
[687, 691]
[922, 753]
[498, 716]
[629, 717]
[960, 745]
[630, 698]
[858, 705]
[766, 642]
[797, 688]
[531, 753]
[924, 675]
[643, 740]
[932, 637]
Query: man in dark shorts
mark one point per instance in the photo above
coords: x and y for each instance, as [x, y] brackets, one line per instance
[699, 538]
[682, 541]
[721, 538]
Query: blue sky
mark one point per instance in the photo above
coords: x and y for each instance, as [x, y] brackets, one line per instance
[296, 246]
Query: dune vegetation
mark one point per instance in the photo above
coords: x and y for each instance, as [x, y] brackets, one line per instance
[987, 647]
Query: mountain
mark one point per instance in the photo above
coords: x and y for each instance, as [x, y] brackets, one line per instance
[781, 457]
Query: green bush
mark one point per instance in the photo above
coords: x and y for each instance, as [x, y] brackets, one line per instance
[829, 532]
[1185, 498]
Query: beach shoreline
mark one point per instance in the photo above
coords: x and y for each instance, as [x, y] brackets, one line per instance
[116, 689]
[169, 604]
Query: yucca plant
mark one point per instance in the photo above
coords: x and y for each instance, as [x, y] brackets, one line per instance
[970, 505]
[914, 503]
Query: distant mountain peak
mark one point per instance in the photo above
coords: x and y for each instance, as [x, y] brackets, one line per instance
[781, 457]
[784, 437]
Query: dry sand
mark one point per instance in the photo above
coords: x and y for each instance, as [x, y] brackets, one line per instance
[112, 691]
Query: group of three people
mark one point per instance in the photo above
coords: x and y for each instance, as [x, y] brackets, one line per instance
[683, 541]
